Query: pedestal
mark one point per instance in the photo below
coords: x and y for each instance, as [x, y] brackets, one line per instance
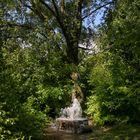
[72, 125]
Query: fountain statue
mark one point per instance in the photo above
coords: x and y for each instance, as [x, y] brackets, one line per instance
[71, 120]
[72, 112]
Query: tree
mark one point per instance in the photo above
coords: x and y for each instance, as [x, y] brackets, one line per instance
[67, 18]
[57, 16]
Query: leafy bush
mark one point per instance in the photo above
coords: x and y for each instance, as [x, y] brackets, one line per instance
[112, 97]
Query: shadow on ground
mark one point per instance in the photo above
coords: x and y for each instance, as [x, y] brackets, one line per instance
[119, 132]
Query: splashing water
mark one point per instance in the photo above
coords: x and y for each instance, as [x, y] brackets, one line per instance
[71, 119]
[72, 112]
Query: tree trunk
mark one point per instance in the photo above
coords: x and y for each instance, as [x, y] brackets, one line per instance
[77, 91]
[72, 52]
[72, 56]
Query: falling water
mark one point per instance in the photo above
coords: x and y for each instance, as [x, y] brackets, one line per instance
[72, 112]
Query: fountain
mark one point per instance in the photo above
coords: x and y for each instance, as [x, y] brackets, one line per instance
[71, 120]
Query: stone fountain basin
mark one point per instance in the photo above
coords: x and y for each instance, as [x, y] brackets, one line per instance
[77, 125]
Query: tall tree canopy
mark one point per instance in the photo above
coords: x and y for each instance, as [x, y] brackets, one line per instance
[63, 16]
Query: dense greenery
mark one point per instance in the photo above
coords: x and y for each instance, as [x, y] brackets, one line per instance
[115, 75]
[39, 51]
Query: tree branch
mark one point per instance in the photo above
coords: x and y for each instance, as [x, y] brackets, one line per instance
[26, 5]
[96, 10]
[62, 6]
[79, 18]
[84, 48]
[28, 26]
[55, 7]
[59, 20]
[29, 7]
[36, 11]
[80, 6]
[48, 7]
[104, 50]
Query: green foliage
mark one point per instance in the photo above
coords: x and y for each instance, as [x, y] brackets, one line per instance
[113, 98]
[114, 77]
[34, 88]
[34, 68]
